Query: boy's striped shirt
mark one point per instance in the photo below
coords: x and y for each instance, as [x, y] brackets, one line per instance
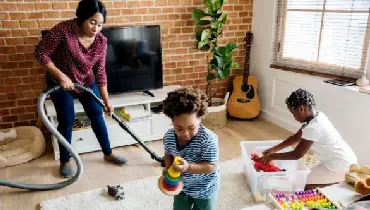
[202, 147]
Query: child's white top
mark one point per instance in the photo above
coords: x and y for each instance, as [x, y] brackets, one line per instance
[329, 147]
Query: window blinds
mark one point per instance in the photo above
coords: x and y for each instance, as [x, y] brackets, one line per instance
[325, 36]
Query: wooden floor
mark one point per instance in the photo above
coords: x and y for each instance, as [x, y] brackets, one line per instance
[98, 173]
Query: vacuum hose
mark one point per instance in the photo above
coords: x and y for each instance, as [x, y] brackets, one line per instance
[67, 145]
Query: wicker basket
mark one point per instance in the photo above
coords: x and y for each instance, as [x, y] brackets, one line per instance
[217, 115]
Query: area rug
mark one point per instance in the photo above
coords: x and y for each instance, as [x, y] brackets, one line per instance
[143, 194]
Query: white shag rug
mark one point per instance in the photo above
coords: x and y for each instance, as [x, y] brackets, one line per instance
[144, 194]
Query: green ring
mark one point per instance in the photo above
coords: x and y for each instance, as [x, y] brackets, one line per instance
[172, 179]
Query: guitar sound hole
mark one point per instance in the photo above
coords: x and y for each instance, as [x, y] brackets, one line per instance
[245, 87]
[250, 93]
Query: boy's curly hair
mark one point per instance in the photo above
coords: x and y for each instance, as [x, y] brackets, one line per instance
[300, 97]
[185, 100]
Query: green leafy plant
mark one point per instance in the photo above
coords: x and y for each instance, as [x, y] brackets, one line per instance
[210, 22]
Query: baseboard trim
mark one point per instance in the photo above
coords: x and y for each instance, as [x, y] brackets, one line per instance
[286, 124]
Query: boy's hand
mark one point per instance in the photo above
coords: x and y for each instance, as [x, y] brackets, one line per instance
[182, 167]
[164, 171]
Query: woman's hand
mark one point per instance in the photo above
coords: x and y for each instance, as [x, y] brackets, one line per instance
[109, 108]
[182, 167]
[66, 82]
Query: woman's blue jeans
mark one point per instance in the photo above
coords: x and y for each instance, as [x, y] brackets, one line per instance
[63, 103]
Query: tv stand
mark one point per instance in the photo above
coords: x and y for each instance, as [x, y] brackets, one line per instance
[151, 125]
[149, 93]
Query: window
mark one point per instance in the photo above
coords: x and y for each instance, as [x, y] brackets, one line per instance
[324, 36]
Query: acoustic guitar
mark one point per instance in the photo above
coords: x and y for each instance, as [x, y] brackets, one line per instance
[244, 102]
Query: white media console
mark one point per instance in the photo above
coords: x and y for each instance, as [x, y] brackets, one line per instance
[152, 127]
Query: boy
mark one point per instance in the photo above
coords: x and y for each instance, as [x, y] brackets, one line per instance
[196, 145]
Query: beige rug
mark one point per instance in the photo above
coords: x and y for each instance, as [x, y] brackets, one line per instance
[143, 194]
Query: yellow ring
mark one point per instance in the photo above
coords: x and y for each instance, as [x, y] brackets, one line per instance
[173, 173]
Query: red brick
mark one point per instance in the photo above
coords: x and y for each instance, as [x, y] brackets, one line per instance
[43, 6]
[31, 109]
[60, 5]
[35, 15]
[170, 65]
[74, 5]
[5, 73]
[142, 11]
[25, 64]
[119, 4]
[148, 19]
[10, 23]
[133, 4]
[20, 32]
[4, 58]
[23, 123]
[26, 6]
[146, 3]
[19, 72]
[29, 24]
[28, 116]
[155, 11]
[18, 110]
[5, 33]
[4, 16]
[34, 32]
[46, 23]
[8, 7]
[51, 14]
[10, 118]
[12, 81]
[16, 57]
[25, 102]
[159, 3]
[30, 79]
[185, 3]
[174, 2]
[25, 48]
[67, 14]
[5, 125]
[37, 71]
[31, 40]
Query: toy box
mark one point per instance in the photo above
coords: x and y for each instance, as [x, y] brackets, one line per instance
[260, 183]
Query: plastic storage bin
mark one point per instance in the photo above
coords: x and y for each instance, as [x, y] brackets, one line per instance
[294, 178]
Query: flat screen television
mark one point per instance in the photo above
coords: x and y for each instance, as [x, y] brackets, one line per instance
[134, 58]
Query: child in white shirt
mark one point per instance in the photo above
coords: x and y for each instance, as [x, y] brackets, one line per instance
[320, 136]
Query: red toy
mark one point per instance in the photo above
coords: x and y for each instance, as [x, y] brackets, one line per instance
[259, 166]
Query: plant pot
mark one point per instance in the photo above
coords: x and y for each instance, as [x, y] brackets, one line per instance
[217, 114]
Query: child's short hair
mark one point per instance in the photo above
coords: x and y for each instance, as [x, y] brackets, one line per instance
[300, 97]
[185, 100]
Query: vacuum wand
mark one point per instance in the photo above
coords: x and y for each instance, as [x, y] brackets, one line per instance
[124, 126]
[133, 135]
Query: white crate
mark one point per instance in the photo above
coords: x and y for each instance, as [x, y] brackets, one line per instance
[294, 178]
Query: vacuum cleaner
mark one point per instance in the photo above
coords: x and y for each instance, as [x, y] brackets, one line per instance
[65, 143]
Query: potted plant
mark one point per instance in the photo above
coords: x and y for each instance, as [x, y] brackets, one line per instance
[209, 25]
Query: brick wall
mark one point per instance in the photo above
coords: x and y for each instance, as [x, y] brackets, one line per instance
[21, 78]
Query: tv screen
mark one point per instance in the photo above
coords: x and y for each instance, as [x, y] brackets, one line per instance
[134, 58]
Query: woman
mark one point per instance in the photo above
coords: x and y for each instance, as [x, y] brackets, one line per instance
[74, 51]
